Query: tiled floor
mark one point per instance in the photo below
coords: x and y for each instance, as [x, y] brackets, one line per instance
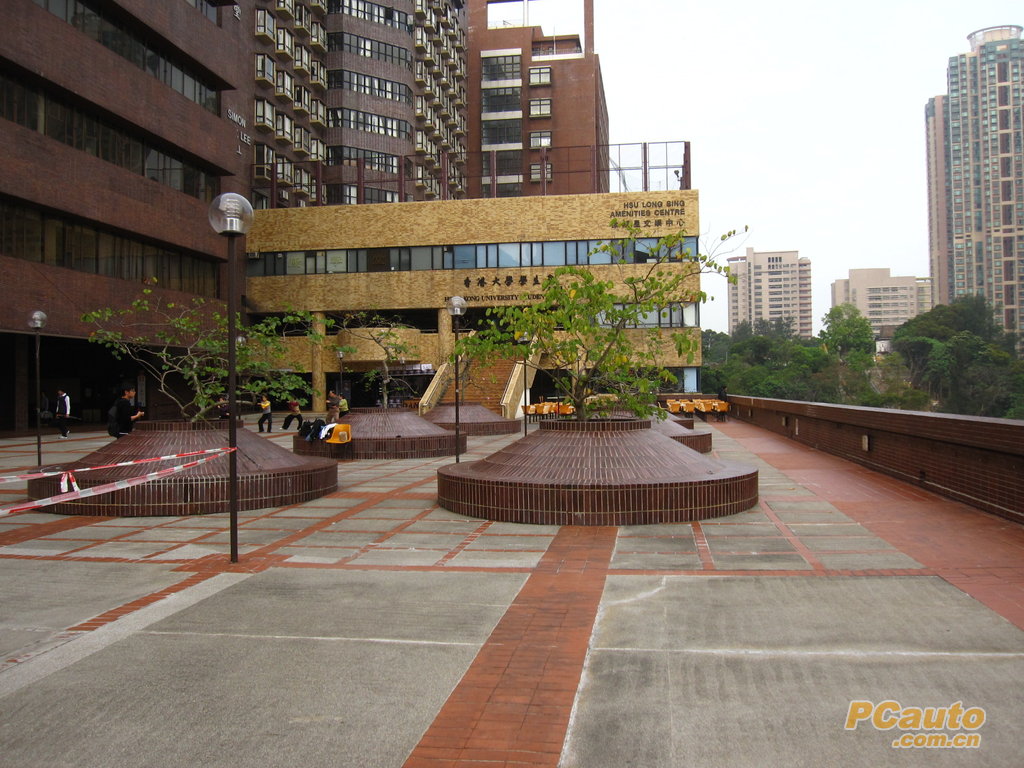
[818, 518]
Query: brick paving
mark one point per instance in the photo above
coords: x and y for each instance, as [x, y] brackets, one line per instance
[514, 704]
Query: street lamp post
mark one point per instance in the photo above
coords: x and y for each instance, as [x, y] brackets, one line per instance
[36, 322]
[341, 373]
[456, 307]
[526, 356]
[231, 215]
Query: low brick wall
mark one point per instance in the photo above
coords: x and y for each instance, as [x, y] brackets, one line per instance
[978, 461]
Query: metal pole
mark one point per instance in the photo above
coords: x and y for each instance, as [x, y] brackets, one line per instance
[39, 407]
[458, 432]
[232, 398]
[526, 416]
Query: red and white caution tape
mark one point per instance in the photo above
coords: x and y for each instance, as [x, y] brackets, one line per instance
[59, 471]
[116, 485]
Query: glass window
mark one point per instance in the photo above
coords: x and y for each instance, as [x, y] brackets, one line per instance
[296, 263]
[540, 75]
[540, 139]
[508, 255]
[421, 258]
[465, 256]
[554, 254]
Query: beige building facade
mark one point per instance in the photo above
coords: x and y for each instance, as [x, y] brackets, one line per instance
[884, 299]
[771, 285]
[405, 261]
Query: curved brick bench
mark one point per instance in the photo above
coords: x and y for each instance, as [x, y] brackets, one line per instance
[698, 441]
[597, 473]
[268, 475]
[385, 433]
[684, 421]
[474, 419]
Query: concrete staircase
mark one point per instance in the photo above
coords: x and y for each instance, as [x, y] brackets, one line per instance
[482, 384]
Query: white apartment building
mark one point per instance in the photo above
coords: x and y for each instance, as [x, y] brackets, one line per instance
[884, 299]
[771, 285]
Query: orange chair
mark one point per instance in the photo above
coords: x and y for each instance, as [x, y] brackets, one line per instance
[342, 433]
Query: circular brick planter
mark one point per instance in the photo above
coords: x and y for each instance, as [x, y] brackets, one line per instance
[385, 433]
[617, 472]
[268, 475]
[474, 419]
[699, 441]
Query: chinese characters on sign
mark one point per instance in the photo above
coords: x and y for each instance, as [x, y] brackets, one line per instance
[508, 281]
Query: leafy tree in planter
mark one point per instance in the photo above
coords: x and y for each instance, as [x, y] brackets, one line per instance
[383, 333]
[595, 335]
[183, 347]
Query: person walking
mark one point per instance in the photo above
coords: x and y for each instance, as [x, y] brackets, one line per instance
[265, 415]
[62, 412]
[294, 413]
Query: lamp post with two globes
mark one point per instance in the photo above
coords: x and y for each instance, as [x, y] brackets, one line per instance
[231, 215]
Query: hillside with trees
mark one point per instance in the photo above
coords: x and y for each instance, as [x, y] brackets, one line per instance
[952, 359]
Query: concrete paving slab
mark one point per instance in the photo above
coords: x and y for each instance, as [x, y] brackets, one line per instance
[749, 544]
[400, 557]
[428, 607]
[828, 529]
[331, 538]
[42, 547]
[372, 524]
[388, 513]
[195, 552]
[906, 614]
[74, 592]
[788, 505]
[126, 550]
[649, 561]
[727, 710]
[865, 561]
[461, 527]
[90, 532]
[766, 562]
[712, 529]
[510, 543]
[662, 544]
[469, 558]
[168, 534]
[856, 543]
[182, 700]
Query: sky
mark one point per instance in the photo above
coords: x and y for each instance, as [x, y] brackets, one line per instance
[806, 119]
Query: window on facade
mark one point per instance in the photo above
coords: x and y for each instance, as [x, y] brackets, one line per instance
[265, 68]
[502, 131]
[540, 139]
[507, 163]
[501, 68]
[540, 75]
[540, 107]
[535, 172]
[500, 100]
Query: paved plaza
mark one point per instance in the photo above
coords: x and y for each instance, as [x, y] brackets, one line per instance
[373, 629]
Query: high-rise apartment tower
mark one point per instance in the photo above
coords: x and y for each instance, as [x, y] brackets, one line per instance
[975, 143]
[770, 286]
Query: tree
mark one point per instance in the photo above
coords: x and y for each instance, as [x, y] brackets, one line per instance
[604, 336]
[847, 332]
[185, 343]
[963, 359]
[382, 334]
